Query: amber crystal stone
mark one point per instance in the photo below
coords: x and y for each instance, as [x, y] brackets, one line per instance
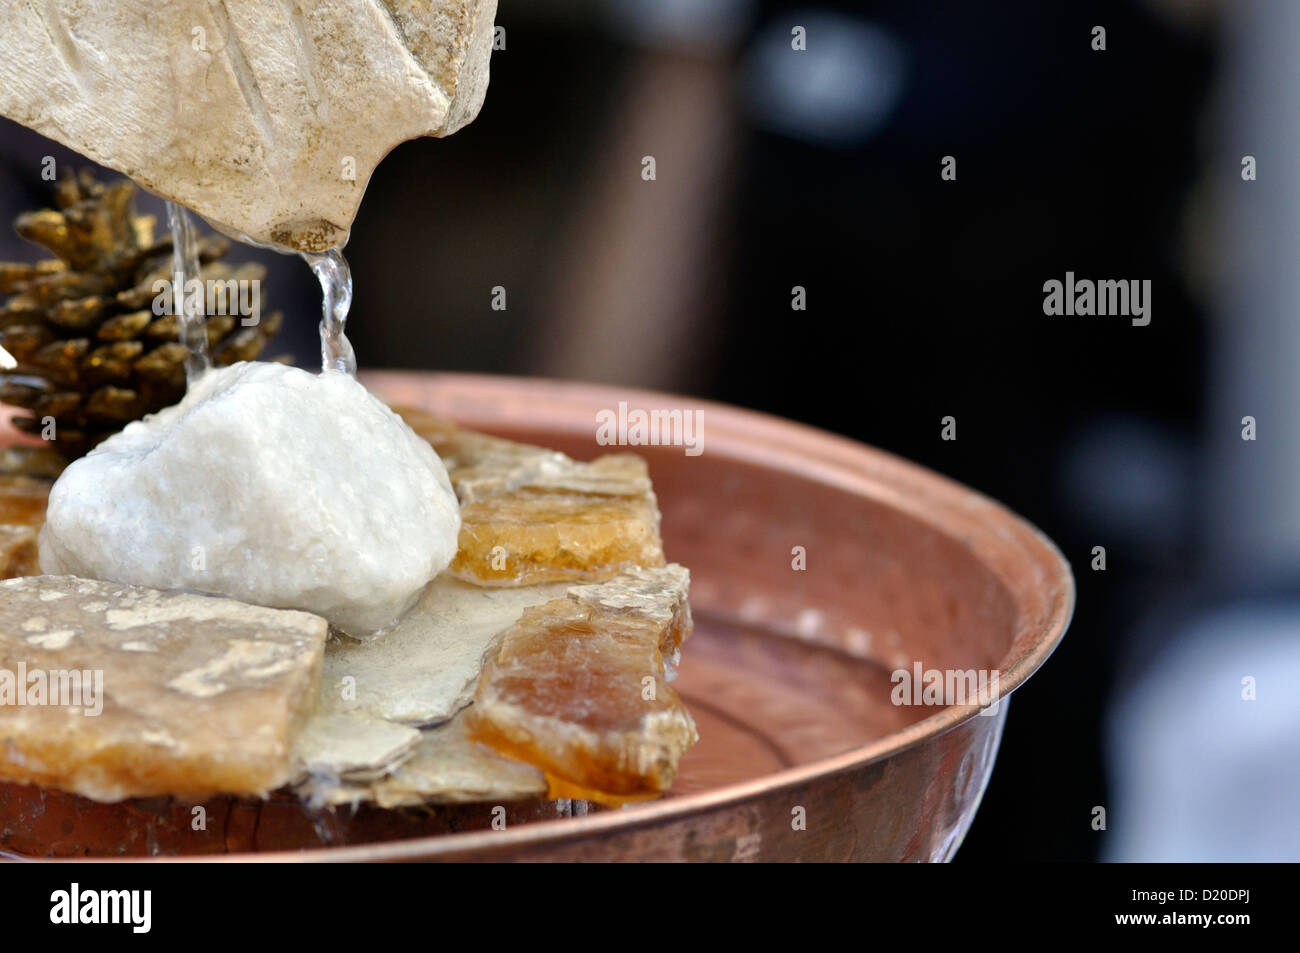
[578, 687]
[531, 515]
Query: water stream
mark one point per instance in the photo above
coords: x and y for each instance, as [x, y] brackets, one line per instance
[335, 278]
[190, 320]
[331, 270]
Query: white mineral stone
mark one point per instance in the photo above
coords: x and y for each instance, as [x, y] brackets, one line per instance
[269, 484]
[264, 116]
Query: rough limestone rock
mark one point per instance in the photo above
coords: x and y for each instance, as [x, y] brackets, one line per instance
[268, 484]
[265, 116]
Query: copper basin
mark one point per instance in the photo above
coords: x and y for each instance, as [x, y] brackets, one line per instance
[803, 753]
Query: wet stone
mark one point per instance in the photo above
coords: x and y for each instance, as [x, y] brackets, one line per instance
[579, 687]
[531, 515]
[153, 692]
[424, 669]
[352, 747]
[445, 767]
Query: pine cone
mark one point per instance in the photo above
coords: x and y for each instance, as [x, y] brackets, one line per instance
[90, 352]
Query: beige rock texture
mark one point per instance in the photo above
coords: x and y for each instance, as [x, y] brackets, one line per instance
[426, 671]
[266, 117]
[115, 691]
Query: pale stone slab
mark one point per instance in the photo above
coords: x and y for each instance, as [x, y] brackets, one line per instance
[197, 695]
[265, 116]
[352, 747]
[423, 670]
[446, 767]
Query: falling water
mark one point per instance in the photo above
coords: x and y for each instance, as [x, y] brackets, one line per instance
[190, 326]
[335, 278]
[331, 270]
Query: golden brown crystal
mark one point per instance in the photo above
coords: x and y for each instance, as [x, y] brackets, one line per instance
[531, 515]
[613, 730]
[578, 687]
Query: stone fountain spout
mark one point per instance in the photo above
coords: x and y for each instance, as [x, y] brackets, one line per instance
[267, 117]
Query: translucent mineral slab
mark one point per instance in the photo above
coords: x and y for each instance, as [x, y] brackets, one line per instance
[579, 688]
[423, 670]
[531, 515]
[174, 693]
[446, 767]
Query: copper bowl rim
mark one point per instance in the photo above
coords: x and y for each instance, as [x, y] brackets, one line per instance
[1047, 602]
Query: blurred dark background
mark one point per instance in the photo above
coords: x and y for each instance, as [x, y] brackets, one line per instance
[821, 168]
